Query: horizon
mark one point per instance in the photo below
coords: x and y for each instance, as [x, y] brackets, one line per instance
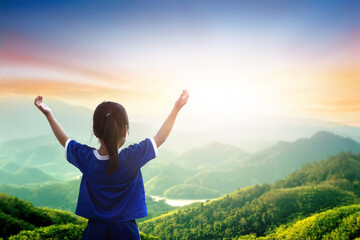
[268, 133]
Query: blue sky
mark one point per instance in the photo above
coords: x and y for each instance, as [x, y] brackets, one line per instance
[292, 58]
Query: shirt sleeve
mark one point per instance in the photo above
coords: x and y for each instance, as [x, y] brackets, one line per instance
[76, 153]
[142, 152]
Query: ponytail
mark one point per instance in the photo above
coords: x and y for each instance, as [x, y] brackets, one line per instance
[109, 121]
[110, 139]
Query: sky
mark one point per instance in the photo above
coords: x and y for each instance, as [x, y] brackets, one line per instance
[238, 59]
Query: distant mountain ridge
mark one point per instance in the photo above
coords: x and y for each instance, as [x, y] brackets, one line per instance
[24, 175]
[229, 168]
[176, 170]
[209, 155]
[214, 166]
[292, 155]
[42, 153]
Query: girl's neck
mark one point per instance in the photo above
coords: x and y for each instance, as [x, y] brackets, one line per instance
[103, 151]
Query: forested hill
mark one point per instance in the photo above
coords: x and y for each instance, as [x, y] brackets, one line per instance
[17, 215]
[64, 196]
[342, 170]
[21, 220]
[338, 223]
[260, 209]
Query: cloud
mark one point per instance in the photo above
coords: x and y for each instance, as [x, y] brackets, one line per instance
[70, 91]
[21, 51]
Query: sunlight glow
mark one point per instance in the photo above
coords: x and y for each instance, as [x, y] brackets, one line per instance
[244, 101]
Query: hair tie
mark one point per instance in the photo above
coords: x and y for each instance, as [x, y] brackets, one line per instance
[108, 114]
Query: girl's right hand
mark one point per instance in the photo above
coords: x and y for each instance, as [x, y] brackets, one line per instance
[182, 100]
[42, 106]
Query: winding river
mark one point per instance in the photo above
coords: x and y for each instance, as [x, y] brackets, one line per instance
[178, 202]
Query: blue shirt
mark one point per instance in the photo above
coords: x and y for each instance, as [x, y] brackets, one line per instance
[116, 197]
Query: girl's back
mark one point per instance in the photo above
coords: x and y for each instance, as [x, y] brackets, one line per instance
[116, 197]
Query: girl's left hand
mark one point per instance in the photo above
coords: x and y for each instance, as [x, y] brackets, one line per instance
[42, 106]
[182, 100]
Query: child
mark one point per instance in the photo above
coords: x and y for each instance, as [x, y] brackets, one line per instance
[111, 192]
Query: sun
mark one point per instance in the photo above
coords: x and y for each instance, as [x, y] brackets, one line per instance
[243, 100]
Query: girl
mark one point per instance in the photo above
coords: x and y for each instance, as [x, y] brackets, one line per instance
[111, 192]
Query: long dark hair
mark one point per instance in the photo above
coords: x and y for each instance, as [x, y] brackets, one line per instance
[109, 121]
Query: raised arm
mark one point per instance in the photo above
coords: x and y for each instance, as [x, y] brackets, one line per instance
[55, 126]
[165, 129]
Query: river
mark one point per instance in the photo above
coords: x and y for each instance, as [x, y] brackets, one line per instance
[179, 202]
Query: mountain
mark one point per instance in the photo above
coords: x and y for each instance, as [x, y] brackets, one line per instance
[286, 157]
[24, 175]
[216, 166]
[47, 155]
[160, 176]
[340, 170]
[21, 220]
[223, 168]
[42, 153]
[62, 196]
[275, 162]
[24, 144]
[210, 156]
[9, 166]
[224, 181]
[169, 169]
[158, 184]
[189, 191]
[260, 209]
[305, 150]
